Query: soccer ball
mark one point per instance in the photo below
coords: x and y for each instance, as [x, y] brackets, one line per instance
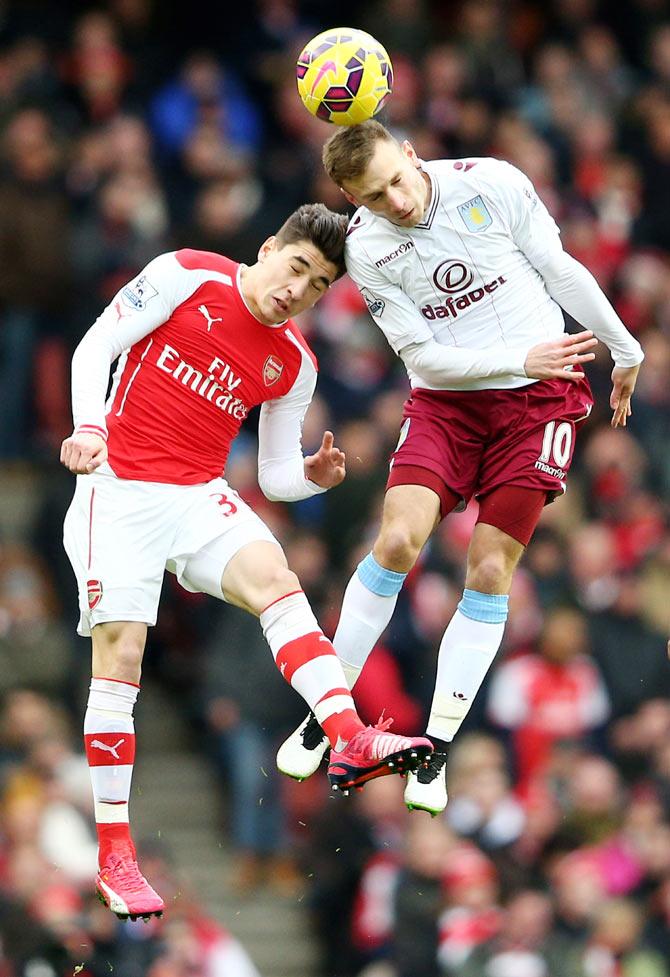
[344, 76]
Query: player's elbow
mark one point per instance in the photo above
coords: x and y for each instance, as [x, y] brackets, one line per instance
[268, 485]
[561, 268]
[267, 489]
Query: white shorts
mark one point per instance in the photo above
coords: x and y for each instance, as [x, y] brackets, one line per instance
[121, 535]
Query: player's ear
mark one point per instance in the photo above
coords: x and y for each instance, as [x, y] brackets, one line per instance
[410, 152]
[348, 197]
[266, 247]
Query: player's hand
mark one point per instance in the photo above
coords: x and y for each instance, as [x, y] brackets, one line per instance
[326, 467]
[623, 384]
[83, 453]
[548, 360]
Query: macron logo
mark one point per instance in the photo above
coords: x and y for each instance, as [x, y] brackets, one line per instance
[203, 310]
[108, 749]
[400, 250]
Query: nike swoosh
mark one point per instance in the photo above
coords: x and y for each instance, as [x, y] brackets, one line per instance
[327, 66]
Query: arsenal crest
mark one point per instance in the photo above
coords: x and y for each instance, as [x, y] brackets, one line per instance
[272, 370]
[94, 593]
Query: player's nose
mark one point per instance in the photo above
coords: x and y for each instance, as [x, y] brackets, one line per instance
[396, 201]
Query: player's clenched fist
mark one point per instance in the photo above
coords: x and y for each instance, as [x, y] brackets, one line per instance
[83, 453]
[548, 360]
[326, 467]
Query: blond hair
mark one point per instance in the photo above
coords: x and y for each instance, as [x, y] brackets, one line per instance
[348, 151]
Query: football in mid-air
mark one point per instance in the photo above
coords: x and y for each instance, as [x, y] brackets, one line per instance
[344, 76]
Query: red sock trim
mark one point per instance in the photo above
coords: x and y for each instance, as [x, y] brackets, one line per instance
[333, 692]
[342, 725]
[111, 837]
[121, 681]
[110, 749]
[273, 602]
[298, 652]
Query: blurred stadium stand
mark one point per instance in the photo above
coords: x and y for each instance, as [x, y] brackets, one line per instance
[133, 127]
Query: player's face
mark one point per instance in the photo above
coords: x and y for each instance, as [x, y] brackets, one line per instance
[288, 280]
[392, 185]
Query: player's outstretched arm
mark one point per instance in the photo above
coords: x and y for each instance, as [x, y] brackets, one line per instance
[83, 453]
[567, 281]
[283, 473]
[326, 467]
[551, 359]
[623, 385]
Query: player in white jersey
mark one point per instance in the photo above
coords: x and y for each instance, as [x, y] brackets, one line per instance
[462, 268]
[200, 341]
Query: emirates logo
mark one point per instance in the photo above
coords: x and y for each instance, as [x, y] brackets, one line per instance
[272, 370]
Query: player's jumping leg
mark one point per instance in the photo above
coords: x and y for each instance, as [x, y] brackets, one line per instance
[410, 515]
[507, 518]
[307, 660]
[368, 605]
[109, 735]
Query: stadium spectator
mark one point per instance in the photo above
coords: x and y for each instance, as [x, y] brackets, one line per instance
[580, 102]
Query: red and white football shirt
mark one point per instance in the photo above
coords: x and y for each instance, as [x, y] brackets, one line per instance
[193, 361]
[542, 702]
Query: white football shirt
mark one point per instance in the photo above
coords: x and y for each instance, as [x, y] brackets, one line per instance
[473, 275]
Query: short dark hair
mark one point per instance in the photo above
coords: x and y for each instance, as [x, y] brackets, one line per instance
[324, 228]
[348, 151]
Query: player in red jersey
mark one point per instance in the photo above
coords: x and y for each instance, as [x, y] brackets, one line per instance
[200, 340]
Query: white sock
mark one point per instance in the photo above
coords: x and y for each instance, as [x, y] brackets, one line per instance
[109, 736]
[467, 649]
[363, 619]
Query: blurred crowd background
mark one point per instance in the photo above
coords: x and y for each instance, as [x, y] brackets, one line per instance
[130, 128]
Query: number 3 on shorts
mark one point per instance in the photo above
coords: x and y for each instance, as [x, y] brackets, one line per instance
[557, 441]
[228, 506]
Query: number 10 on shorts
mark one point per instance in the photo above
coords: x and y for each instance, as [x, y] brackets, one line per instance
[557, 442]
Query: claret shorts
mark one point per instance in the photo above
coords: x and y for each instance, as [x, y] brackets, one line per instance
[478, 440]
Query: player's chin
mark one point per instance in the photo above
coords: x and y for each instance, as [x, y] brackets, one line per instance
[410, 221]
[414, 217]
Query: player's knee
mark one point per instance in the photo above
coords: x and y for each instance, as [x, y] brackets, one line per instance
[278, 582]
[127, 656]
[490, 573]
[119, 646]
[397, 547]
